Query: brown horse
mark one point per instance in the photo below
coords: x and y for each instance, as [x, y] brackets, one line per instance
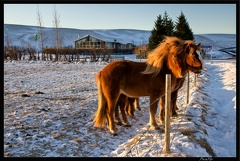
[193, 55]
[127, 104]
[136, 79]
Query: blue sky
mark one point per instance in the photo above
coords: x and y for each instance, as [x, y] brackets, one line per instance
[202, 18]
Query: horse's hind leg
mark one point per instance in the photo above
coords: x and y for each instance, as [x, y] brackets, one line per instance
[124, 117]
[111, 123]
[111, 107]
[136, 104]
[129, 106]
[122, 101]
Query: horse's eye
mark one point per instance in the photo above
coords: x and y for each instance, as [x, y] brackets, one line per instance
[175, 55]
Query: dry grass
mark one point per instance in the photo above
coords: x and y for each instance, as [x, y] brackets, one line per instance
[133, 142]
[189, 132]
[204, 144]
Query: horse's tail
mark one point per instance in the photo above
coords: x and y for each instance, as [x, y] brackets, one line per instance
[101, 114]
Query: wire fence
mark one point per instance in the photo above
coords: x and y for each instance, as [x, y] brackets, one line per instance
[135, 148]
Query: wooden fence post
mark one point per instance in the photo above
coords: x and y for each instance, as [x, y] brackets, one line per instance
[187, 87]
[167, 113]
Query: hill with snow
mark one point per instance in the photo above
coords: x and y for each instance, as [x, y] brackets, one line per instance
[21, 35]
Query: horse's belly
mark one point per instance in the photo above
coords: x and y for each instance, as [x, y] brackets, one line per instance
[134, 94]
[132, 91]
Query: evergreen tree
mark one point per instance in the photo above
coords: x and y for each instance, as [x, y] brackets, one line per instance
[182, 29]
[156, 34]
[163, 27]
[168, 25]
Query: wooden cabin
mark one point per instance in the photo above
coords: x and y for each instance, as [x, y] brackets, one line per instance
[90, 42]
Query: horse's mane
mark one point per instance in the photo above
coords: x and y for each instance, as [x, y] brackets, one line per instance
[157, 56]
[190, 42]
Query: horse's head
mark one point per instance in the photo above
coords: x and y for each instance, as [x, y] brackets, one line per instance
[170, 51]
[177, 57]
[193, 56]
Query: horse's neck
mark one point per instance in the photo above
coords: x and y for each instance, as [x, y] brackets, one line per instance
[166, 70]
[177, 83]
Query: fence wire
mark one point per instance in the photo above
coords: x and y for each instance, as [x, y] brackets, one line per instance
[143, 134]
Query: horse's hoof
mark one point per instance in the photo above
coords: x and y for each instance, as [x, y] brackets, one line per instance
[162, 122]
[131, 114]
[176, 108]
[174, 114]
[126, 125]
[138, 108]
[113, 132]
[154, 128]
[119, 123]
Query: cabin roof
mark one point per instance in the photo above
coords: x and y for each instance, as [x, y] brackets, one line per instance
[103, 39]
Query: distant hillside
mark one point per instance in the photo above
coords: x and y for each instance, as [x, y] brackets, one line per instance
[22, 35]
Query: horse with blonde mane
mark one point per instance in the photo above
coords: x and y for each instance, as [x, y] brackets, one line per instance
[136, 79]
[195, 63]
[126, 103]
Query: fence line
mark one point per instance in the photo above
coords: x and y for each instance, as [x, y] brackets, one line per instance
[167, 113]
[134, 146]
[62, 54]
[178, 125]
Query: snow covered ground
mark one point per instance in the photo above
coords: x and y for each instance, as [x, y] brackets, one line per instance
[49, 108]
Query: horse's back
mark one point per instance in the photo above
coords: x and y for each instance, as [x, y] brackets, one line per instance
[121, 68]
[122, 75]
[126, 77]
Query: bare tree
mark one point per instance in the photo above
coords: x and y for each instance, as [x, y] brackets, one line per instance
[42, 34]
[7, 38]
[56, 25]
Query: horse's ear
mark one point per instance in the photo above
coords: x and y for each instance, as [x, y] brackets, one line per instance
[199, 45]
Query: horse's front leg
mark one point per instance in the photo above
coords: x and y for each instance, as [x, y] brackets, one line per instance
[153, 111]
[174, 103]
[162, 110]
